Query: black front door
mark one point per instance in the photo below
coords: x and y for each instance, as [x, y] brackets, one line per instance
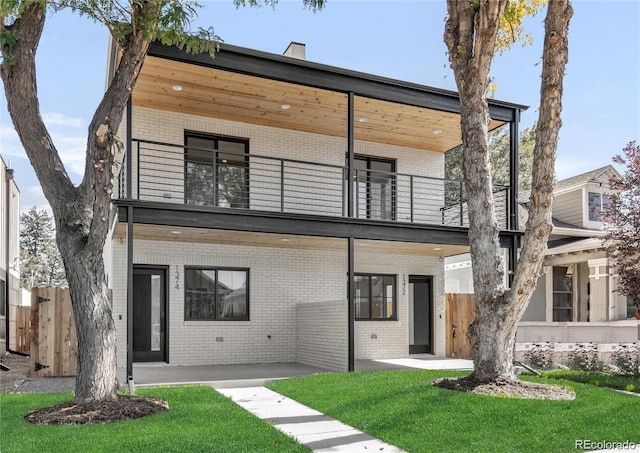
[420, 314]
[149, 314]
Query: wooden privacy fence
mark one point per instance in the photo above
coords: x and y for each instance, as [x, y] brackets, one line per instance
[54, 346]
[460, 312]
[23, 329]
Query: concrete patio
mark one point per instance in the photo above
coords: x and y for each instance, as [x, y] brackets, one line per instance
[252, 375]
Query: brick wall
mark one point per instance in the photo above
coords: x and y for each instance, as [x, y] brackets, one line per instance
[281, 280]
[322, 337]
[321, 184]
[390, 339]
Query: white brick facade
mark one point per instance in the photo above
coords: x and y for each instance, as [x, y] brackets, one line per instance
[297, 298]
[281, 280]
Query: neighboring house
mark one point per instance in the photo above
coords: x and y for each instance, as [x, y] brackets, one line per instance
[261, 196]
[575, 299]
[9, 257]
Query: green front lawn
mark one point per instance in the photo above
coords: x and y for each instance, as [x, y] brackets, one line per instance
[629, 383]
[405, 410]
[199, 420]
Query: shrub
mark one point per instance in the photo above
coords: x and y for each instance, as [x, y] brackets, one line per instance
[584, 357]
[626, 358]
[540, 355]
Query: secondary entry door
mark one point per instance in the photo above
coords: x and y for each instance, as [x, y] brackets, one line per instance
[149, 314]
[420, 314]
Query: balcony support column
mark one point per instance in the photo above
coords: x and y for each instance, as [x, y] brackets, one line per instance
[350, 155]
[129, 150]
[129, 293]
[514, 164]
[351, 291]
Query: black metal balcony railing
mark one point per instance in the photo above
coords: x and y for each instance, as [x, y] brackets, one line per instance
[161, 172]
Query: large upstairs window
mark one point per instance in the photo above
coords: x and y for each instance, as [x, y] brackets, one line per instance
[374, 186]
[221, 161]
[597, 203]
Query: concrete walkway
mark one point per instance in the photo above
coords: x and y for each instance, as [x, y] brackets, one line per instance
[318, 432]
[306, 426]
[313, 429]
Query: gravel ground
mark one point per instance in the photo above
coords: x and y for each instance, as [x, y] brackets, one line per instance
[17, 379]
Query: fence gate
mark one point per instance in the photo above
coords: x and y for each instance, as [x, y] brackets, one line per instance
[460, 312]
[54, 346]
[23, 330]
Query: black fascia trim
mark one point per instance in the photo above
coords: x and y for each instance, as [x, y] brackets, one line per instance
[305, 225]
[302, 72]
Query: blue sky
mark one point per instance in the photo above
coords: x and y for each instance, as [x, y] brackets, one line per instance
[396, 39]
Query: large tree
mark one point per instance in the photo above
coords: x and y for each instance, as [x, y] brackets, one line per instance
[82, 212]
[40, 260]
[499, 145]
[622, 222]
[472, 34]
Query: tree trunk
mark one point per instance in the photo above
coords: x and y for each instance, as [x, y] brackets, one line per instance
[96, 378]
[470, 35]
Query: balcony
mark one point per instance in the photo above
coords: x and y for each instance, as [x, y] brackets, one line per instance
[187, 175]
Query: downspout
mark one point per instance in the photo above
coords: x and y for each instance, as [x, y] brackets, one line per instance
[129, 179]
[8, 178]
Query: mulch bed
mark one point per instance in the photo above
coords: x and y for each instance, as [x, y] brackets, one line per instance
[506, 387]
[122, 408]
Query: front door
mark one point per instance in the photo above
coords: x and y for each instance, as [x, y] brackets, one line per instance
[149, 314]
[420, 310]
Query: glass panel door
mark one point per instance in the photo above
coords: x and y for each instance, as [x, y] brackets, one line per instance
[149, 315]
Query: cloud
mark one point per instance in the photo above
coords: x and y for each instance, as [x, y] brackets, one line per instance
[73, 151]
[33, 196]
[11, 146]
[72, 148]
[60, 119]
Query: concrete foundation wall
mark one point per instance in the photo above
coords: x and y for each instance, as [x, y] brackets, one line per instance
[577, 332]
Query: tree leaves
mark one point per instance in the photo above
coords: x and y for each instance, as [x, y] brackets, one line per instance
[40, 261]
[622, 222]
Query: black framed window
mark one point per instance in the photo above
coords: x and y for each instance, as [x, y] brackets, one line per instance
[375, 297]
[216, 294]
[374, 185]
[3, 301]
[230, 173]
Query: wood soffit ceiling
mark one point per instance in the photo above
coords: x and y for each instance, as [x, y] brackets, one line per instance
[216, 93]
[251, 239]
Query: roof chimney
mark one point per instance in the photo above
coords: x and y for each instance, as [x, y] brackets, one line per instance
[295, 50]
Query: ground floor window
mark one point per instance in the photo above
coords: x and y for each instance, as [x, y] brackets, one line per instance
[375, 297]
[216, 294]
[563, 293]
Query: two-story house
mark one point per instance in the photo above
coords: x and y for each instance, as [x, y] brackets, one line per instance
[9, 257]
[576, 298]
[272, 209]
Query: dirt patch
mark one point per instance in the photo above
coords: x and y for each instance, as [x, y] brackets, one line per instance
[18, 371]
[122, 408]
[512, 388]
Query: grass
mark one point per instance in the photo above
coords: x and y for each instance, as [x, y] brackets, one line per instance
[405, 410]
[199, 420]
[629, 383]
